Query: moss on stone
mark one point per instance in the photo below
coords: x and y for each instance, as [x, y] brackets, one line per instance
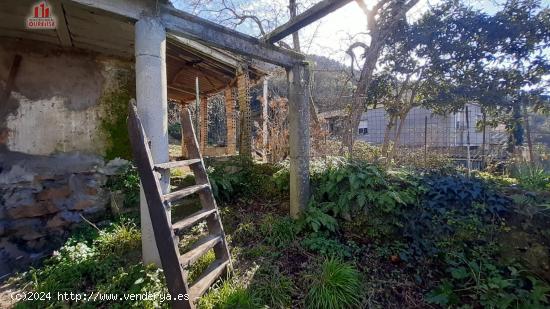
[114, 121]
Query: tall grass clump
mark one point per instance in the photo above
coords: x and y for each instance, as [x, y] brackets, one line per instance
[336, 285]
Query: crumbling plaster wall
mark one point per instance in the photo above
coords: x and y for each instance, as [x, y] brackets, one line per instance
[63, 123]
[55, 106]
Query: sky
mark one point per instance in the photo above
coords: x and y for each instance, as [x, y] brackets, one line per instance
[331, 35]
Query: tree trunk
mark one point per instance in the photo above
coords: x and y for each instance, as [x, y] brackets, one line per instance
[484, 142]
[389, 127]
[358, 104]
[528, 133]
[398, 134]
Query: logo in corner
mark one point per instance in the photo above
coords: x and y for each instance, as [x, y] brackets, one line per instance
[41, 17]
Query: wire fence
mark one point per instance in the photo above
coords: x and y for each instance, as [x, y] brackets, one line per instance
[458, 137]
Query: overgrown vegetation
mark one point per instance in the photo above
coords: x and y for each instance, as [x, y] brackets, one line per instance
[371, 237]
[105, 261]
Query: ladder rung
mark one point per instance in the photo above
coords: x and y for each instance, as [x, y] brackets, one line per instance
[178, 195]
[208, 277]
[172, 164]
[193, 218]
[199, 249]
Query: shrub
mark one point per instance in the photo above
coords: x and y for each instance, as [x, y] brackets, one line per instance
[335, 285]
[348, 189]
[174, 130]
[244, 178]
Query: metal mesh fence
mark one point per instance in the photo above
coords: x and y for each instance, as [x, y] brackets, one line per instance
[459, 137]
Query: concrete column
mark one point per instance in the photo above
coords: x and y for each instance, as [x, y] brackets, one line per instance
[230, 122]
[152, 106]
[298, 118]
[265, 119]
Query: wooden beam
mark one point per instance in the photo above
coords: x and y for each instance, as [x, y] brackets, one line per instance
[189, 26]
[180, 88]
[311, 15]
[204, 31]
[61, 29]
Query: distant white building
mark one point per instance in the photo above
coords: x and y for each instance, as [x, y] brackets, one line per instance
[421, 126]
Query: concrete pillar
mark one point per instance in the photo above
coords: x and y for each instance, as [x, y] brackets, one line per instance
[264, 120]
[298, 118]
[230, 122]
[152, 106]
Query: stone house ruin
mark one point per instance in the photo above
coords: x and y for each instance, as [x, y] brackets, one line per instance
[68, 69]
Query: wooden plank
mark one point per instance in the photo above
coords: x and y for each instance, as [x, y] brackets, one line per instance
[10, 82]
[192, 27]
[164, 236]
[199, 249]
[178, 195]
[192, 219]
[173, 164]
[311, 15]
[61, 29]
[210, 275]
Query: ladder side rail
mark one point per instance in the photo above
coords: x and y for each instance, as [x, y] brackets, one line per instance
[164, 236]
[201, 177]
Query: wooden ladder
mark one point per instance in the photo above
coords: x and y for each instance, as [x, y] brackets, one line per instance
[165, 232]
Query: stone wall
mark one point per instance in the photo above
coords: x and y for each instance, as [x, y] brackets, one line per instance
[65, 118]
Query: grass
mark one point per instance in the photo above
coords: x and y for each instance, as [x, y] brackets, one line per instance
[334, 285]
[229, 294]
[273, 287]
